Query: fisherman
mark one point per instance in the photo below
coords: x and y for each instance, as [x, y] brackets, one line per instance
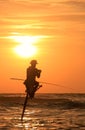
[31, 84]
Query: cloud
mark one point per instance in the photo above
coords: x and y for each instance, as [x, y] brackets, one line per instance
[37, 15]
[3, 0]
[75, 3]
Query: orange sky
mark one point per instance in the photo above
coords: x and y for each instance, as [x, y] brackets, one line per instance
[60, 50]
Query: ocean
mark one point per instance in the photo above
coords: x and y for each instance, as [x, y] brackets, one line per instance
[44, 112]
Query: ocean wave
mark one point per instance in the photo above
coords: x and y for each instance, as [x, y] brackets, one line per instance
[44, 112]
[60, 103]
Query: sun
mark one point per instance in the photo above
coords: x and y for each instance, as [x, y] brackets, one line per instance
[26, 46]
[25, 50]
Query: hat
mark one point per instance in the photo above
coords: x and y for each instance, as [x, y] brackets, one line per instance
[33, 62]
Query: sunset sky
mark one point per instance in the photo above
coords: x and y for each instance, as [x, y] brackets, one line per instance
[55, 33]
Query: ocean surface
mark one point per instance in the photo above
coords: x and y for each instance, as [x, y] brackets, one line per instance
[44, 112]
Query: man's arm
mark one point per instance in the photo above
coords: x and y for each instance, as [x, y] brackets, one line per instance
[38, 73]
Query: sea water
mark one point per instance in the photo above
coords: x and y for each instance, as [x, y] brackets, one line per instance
[44, 112]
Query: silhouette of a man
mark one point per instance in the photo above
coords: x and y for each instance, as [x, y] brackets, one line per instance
[31, 73]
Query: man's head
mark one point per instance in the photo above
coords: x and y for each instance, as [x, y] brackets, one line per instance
[33, 62]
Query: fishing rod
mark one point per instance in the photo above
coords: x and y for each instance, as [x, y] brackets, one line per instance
[54, 84]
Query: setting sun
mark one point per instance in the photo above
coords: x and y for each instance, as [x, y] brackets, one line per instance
[25, 50]
[26, 47]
